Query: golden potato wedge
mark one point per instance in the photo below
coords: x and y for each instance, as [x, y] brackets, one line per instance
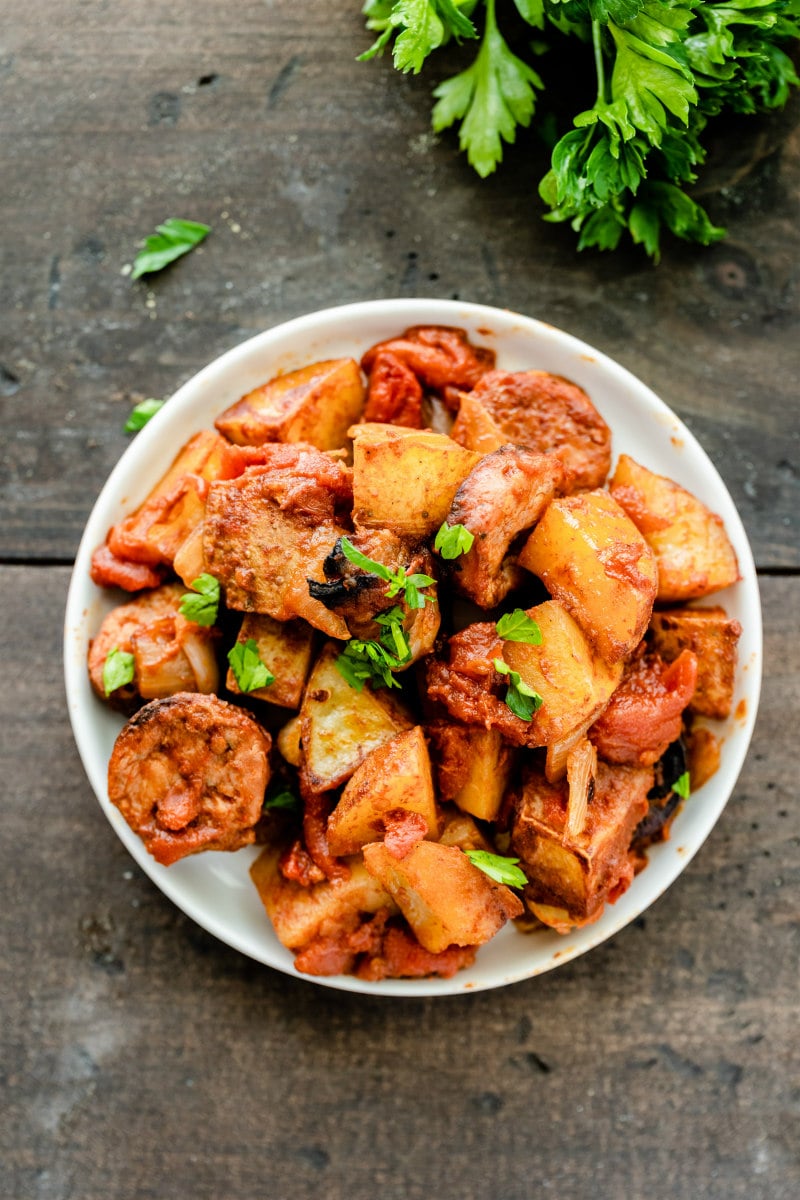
[572, 679]
[445, 899]
[316, 404]
[473, 767]
[288, 741]
[713, 638]
[395, 775]
[340, 726]
[299, 913]
[474, 428]
[405, 479]
[593, 559]
[692, 549]
[285, 648]
[461, 830]
[579, 871]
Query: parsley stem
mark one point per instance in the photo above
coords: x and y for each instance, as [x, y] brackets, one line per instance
[598, 63]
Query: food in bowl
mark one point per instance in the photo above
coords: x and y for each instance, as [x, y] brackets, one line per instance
[490, 721]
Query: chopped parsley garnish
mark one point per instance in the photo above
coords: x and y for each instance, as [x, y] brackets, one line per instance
[517, 626]
[682, 786]
[520, 697]
[140, 414]
[284, 799]
[118, 669]
[171, 240]
[249, 670]
[398, 580]
[498, 867]
[375, 661]
[453, 540]
[203, 607]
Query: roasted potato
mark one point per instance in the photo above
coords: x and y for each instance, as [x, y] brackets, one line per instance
[692, 549]
[316, 404]
[286, 649]
[572, 679]
[393, 776]
[340, 726]
[299, 913]
[592, 558]
[713, 638]
[405, 479]
[473, 767]
[474, 428]
[445, 899]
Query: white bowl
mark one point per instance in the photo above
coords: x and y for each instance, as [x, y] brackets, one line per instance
[214, 888]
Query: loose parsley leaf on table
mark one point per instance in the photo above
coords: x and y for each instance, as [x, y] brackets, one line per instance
[500, 868]
[201, 605]
[171, 240]
[249, 670]
[118, 669]
[520, 697]
[140, 414]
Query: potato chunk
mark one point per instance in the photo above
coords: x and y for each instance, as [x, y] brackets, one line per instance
[340, 726]
[316, 404]
[445, 899]
[692, 549]
[473, 767]
[713, 638]
[285, 648]
[405, 479]
[396, 775]
[579, 872]
[299, 913]
[594, 560]
[571, 678]
[474, 428]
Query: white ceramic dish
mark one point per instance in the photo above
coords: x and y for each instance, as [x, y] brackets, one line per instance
[214, 889]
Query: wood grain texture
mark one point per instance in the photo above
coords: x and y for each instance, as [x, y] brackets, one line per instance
[324, 184]
[141, 1058]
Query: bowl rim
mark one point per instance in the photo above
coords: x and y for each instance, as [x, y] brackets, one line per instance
[137, 462]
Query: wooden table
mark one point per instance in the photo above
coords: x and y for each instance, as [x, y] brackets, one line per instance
[140, 1057]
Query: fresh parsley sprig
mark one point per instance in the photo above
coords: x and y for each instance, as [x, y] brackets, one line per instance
[517, 626]
[398, 580]
[453, 540]
[283, 798]
[201, 605]
[363, 660]
[520, 697]
[249, 669]
[118, 670]
[171, 240]
[682, 786]
[501, 868]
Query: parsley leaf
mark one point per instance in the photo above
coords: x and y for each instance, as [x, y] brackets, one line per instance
[171, 240]
[453, 540]
[249, 670]
[520, 697]
[491, 98]
[398, 580]
[365, 660]
[682, 785]
[519, 627]
[118, 669]
[421, 27]
[140, 414]
[500, 868]
[203, 607]
[393, 637]
[284, 799]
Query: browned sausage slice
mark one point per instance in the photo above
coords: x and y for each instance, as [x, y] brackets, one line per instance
[189, 773]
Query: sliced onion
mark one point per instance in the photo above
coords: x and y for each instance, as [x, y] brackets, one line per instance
[162, 669]
[581, 774]
[199, 650]
[189, 561]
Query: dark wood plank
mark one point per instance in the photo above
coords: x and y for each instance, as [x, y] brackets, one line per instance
[324, 184]
[142, 1058]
